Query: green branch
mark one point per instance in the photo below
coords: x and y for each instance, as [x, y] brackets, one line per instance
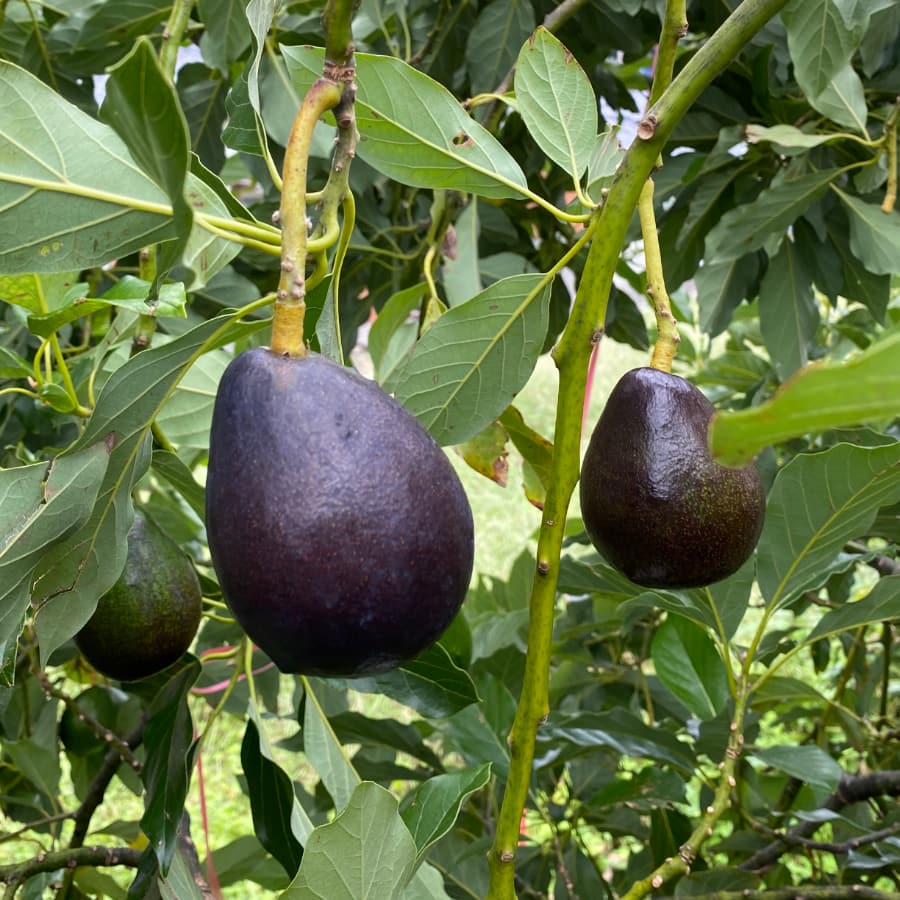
[804, 892]
[572, 355]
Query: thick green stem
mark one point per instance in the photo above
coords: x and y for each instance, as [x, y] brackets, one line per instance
[890, 137]
[173, 34]
[675, 27]
[572, 357]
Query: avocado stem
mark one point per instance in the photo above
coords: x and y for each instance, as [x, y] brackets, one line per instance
[667, 331]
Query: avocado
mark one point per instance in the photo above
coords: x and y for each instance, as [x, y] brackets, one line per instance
[655, 503]
[147, 620]
[340, 533]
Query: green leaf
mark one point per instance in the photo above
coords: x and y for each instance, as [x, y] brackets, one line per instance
[751, 225]
[688, 664]
[413, 130]
[50, 151]
[486, 453]
[434, 806]
[721, 287]
[41, 505]
[864, 388]
[394, 332]
[325, 752]
[38, 293]
[473, 361]
[786, 138]
[844, 100]
[178, 883]
[176, 472]
[874, 235]
[788, 315]
[272, 798]
[811, 765]
[494, 40]
[366, 853]
[881, 604]
[225, 34]
[166, 772]
[461, 274]
[556, 102]
[605, 158]
[536, 450]
[78, 571]
[818, 502]
[822, 36]
[431, 684]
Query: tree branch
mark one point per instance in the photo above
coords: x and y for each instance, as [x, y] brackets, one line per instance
[852, 789]
[15, 874]
[803, 892]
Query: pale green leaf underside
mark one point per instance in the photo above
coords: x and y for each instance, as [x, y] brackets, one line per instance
[874, 234]
[866, 388]
[413, 130]
[71, 196]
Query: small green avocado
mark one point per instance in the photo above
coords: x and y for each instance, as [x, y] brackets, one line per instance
[655, 503]
[148, 619]
[340, 532]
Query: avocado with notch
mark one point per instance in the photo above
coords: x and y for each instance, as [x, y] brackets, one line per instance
[340, 532]
[655, 503]
[150, 616]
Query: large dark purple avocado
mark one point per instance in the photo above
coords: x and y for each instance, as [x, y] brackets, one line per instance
[655, 503]
[340, 533]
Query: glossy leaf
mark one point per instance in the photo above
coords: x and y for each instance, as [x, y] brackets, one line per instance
[471, 363]
[688, 664]
[556, 101]
[865, 388]
[366, 853]
[41, 504]
[753, 225]
[272, 798]
[413, 130]
[812, 765]
[50, 150]
[434, 807]
[431, 684]
[819, 502]
[166, 772]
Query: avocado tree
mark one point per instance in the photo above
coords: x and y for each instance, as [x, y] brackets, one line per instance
[467, 202]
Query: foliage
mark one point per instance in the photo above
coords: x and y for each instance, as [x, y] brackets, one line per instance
[740, 737]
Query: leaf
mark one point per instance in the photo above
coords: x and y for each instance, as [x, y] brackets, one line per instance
[471, 363]
[537, 454]
[325, 752]
[41, 505]
[494, 40]
[394, 331]
[721, 287]
[844, 100]
[435, 804]
[366, 853]
[821, 38]
[461, 271]
[78, 571]
[688, 664]
[604, 161]
[431, 684]
[874, 235]
[881, 604]
[787, 137]
[811, 765]
[788, 315]
[49, 152]
[413, 130]
[166, 772]
[178, 883]
[176, 472]
[272, 798]
[556, 102]
[818, 502]
[751, 225]
[864, 388]
[225, 34]
[486, 453]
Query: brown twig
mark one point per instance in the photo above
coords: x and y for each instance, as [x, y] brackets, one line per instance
[15, 874]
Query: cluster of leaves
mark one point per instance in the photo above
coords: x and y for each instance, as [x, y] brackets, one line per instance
[147, 219]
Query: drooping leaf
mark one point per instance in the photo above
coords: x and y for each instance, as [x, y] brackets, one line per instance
[472, 362]
[272, 799]
[843, 100]
[688, 664]
[787, 137]
[764, 221]
[166, 772]
[434, 806]
[52, 152]
[556, 101]
[874, 235]
[40, 505]
[818, 502]
[394, 332]
[225, 34]
[721, 287]
[864, 388]
[413, 130]
[366, 853]
[536, 450]
[486, 453]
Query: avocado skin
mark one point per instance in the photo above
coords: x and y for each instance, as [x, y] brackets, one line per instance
[340, 533]
[655, 503]
[149, 617]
